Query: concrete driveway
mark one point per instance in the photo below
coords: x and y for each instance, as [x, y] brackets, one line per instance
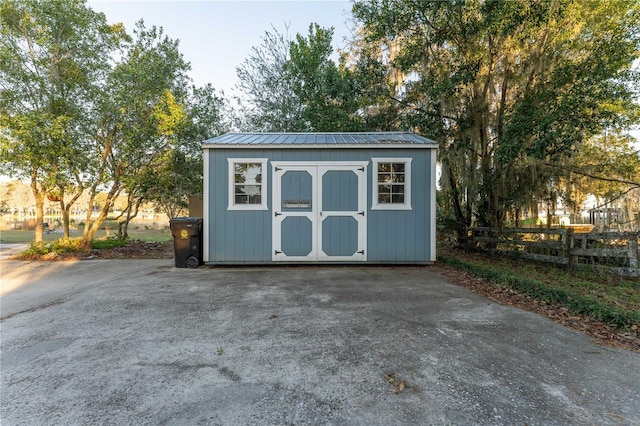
[141, 342]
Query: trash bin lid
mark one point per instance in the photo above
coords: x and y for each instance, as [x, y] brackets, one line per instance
[185, 220]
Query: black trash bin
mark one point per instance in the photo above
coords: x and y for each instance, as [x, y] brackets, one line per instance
[187, 241]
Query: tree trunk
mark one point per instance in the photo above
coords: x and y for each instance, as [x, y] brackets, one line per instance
[87, 221]
[65, 208]
[132, 209]
[38, 194]
[91, 233]
[457, 207]
[65, 219]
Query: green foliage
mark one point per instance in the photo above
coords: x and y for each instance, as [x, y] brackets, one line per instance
[85, 107]
[65, 245]
[108, 243]
[177, 173]
[294, 85]
[336, 97]
[268, 104]
[575, 300]
[505, 86]
[51, 55]
[59, 246]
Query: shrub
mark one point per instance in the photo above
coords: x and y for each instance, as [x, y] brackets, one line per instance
[60, 246]
[108, 243]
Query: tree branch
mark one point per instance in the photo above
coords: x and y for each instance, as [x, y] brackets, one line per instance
[626, 182]
[615, 198]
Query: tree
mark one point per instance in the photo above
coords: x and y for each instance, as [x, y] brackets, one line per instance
[178, 173]
[138, 114]
[295, 86]
[268, 104]
[607, 167]
[337, 96]
[325, 90]
[507, 85]
[51, 53]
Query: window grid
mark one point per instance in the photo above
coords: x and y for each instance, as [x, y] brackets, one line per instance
[392, 184]
[247, 184]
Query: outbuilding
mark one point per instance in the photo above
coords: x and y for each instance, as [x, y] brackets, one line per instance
[319, 198]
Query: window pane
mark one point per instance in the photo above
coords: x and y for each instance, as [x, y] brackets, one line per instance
[398, 167]
[384, 189]
[247, 194]
[397, 198]
[384, 198]
[384, 177]
[384, 167]
[397, 189]
[398, 177]
[252, 178]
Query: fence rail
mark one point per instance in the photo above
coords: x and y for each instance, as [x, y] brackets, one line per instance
[615, 252]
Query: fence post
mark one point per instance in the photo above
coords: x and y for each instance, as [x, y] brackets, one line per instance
[633, 252]
[571, 244]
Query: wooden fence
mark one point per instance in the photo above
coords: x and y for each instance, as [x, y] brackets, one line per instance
[612, 251]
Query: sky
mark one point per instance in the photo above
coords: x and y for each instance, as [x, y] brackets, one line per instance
[217, 36]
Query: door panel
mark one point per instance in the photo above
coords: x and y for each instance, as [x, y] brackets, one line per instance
[297, 191]
[319, 211]
[339, 190]
[339, 236]
[297, 236]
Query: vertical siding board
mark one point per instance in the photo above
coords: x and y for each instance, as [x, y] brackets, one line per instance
[392, 236]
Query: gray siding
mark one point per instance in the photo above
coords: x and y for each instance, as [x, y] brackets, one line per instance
[392, 235]
[344, 200]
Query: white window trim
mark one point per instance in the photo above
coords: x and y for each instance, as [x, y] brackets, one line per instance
[231, 184]
[375, 205]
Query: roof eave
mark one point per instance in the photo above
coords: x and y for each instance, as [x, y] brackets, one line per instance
[321, 146]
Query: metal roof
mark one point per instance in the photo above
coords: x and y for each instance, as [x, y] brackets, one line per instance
[321, 140]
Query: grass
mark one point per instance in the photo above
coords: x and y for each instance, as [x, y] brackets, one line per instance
[611, 298]
[135, 233]
[54, 243]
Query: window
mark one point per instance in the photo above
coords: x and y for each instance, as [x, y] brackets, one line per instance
[247, 184]
[392, 184]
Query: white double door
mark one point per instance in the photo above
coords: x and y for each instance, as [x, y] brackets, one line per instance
[319, 211]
